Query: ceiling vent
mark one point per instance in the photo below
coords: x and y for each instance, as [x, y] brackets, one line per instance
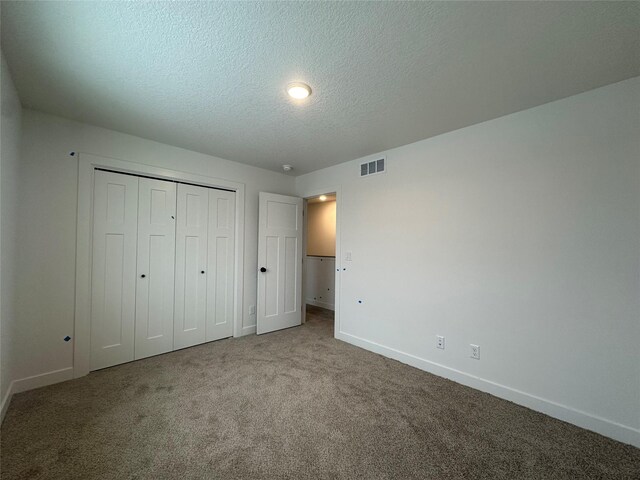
[373, 167]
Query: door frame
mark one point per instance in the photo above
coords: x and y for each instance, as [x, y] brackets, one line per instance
[87, 164]
[306, 195]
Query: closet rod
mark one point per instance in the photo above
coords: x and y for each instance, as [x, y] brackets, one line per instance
[163, 179]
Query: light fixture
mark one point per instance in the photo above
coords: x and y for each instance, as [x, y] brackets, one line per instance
[287, 168]
[322, 198]
[298, 90]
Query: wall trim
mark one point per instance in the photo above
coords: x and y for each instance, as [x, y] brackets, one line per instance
[318, 303]
[42, 380]
[603, 426]
[34, 381]
[87, 163]
[249, 330]
[5, 402]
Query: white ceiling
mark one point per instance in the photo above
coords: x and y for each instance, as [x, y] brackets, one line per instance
[210, 76]
[331, 197]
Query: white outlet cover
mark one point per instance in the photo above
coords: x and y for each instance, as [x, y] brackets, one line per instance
[440, 342]
[475, 351]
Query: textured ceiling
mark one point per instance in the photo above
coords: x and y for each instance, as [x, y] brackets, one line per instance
[210, 76]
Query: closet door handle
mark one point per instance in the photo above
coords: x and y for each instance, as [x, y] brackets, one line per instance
[201, 271]
[142, 276]
[263, 269]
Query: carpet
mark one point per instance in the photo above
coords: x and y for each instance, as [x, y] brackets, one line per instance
[294, 404]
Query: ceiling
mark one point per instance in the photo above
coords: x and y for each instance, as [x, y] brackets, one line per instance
[211, 76]
[331, 197]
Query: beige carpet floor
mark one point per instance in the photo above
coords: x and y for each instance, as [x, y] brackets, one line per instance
[294, 404]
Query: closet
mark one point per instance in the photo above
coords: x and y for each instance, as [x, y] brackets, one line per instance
[162, 267]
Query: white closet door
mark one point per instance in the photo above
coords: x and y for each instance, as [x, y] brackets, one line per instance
[156, 262]
[191, 266]
[115, 224]
[220, 265]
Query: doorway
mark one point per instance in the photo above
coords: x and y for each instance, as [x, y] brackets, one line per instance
[319, 263]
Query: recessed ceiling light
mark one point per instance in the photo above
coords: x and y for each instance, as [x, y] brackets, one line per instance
[322, 198]
[298, 90]
[287, 168]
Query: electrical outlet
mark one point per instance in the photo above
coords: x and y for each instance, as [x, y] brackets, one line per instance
[440, 341]
[475, 351]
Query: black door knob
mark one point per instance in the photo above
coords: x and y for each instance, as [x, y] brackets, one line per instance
[201, 271]
[263, 269]
[142, 276]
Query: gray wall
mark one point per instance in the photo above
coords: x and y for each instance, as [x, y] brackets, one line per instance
[10, 130]
[47, 226]
[521, 235]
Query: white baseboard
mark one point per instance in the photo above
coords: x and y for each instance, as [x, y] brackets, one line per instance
[316, 303]
[6, 401]
[597, 424]
[34, 381]
[250, 330]
[42, 380]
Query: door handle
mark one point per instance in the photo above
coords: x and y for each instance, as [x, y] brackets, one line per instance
[263, 269]
[142, 276]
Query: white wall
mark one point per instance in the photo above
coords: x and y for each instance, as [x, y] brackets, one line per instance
[47, 227]
[9, 171]
[521, 235]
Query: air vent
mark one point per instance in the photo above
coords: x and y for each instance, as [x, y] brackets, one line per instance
[372, 167]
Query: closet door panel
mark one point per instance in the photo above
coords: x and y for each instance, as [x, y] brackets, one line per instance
[113, 282]
[221, 260]
[155, 270]
[191, 266]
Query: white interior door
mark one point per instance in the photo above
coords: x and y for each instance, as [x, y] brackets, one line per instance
[191, 266]
[156, 262]
[279, 262]
[220, 264]
[113, 281]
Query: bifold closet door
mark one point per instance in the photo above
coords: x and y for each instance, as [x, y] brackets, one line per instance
[220, 264]
[113, 281]
[205, 259]
[155, 270]
[191, 266]
[163, 267]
